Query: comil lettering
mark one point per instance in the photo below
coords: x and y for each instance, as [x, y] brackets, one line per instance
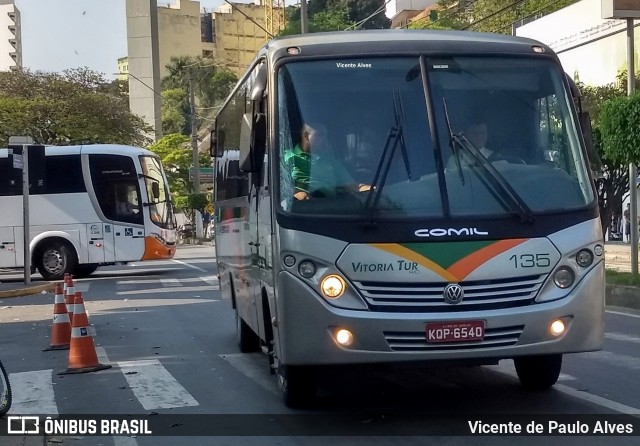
[443, 232]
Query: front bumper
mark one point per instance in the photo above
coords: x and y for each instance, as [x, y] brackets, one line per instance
[306, 323]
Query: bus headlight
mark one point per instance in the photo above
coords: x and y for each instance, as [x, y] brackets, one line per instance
[332, 286]
[307, 269]
[564, 277]
[584, 258]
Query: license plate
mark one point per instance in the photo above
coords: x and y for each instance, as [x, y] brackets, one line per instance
[461, 331]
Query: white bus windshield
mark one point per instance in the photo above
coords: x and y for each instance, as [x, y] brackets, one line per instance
[160, 208]
[355, 137]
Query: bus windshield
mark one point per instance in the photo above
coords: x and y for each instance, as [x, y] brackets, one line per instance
[401, 136]
[160, 208]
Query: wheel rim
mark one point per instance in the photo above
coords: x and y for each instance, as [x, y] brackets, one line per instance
[53, 261]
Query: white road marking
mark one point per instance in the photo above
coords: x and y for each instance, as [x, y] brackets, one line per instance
[170, 282]
[507, 368]
[190, 266]
[624, 314]
[628, 362]
[254, 365]
[124, 441]
[185, 289]
[33, 393]
[154, 386]
[102, 355]
[211, 280]
[622, 337]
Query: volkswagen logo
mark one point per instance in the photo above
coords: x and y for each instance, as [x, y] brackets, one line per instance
[453, 293]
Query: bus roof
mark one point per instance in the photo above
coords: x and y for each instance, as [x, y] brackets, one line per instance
[402, 40]
[113, 149]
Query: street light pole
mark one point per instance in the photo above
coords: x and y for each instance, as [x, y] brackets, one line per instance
[194, 138]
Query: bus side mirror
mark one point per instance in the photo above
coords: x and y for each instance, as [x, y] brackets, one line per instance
[587, 133]
[216, 143]
[155, 190]
[253, 133]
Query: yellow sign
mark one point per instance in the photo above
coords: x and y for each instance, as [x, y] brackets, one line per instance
[208, 208]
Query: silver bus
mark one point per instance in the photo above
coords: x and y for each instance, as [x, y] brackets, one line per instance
[407, 197]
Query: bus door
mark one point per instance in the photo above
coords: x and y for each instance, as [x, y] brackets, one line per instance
[7, 248]
[256, 263]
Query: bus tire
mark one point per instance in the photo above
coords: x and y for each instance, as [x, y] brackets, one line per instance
[298, 386]
[248, 341]
[86, 269]
[538, 372]
[56, 258]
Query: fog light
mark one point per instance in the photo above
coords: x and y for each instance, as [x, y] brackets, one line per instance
[563, 277]
[584, 258]
[599, 250]
[557, 327]
[344, 337]
[289, 260]
[332, 286]
[307, 269]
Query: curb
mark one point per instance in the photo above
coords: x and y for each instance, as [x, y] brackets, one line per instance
[623, 296]
[28, 291]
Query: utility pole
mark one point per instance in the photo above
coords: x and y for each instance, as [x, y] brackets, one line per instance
[633, 186]
[194, 137]
[304, 29]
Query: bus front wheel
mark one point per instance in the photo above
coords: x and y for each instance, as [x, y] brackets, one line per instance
[55, 259]
[298, 385]
[538, 372]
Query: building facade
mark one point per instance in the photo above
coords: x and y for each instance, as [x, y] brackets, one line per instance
[10, 37]
[591, 48]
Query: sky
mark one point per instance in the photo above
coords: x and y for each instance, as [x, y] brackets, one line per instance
[62, 34]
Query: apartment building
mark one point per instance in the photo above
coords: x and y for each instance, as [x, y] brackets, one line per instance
[10, 39]
[156, 33]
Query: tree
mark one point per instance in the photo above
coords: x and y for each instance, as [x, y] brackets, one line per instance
[75, 107]
[613, 187]
[190, 203]
[176, 155]
[496, 16]
[211, 83]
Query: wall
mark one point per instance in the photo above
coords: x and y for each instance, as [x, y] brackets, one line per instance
[593, 47]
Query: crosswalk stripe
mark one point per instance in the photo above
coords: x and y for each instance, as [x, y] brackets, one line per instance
[190, 266]
[185, 289]
[622, 337]
[170, 282]
[628, 362]
[33, 393]
[154, 386]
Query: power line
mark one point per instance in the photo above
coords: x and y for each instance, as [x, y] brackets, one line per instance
[495, 13]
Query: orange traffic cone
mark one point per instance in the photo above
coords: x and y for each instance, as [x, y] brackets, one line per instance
[82, 354]
[69, 297]
[61, 328]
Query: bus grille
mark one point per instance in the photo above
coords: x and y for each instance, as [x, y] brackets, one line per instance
[428, 297]
[400, 341]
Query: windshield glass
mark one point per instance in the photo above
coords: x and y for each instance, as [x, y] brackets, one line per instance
[160, 207]
[355, 139]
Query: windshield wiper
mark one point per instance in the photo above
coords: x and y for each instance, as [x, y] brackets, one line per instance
[499, 184]
[395, 135]
[454, 147]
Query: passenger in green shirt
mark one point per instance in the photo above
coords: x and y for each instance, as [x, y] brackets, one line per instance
[315, 170]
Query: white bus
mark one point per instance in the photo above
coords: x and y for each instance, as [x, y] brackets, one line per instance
[436, 245]
[99, 205]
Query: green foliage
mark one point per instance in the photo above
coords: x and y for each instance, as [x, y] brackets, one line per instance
[338, 15]
[621, 278]
[613, 187]
[175, 110]
[75, 107]
[211, 83]
[190, 203]
[620, 128]
[177, 158]
[495, 16]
